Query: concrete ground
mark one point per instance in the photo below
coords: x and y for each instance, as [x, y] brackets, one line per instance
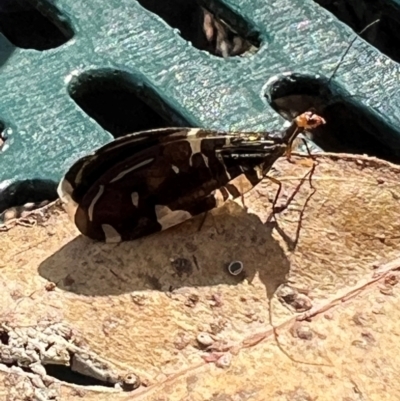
[314, 315]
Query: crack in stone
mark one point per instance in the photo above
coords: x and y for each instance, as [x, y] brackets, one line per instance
[47, 355]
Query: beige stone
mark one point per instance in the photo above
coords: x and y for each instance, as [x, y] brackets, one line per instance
[325, 276]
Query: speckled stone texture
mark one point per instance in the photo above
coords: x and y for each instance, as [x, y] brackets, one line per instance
[165, 309]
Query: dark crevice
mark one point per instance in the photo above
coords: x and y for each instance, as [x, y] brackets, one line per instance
[67, 375]
[350, 126]
[4, 337]
[122, 104]
[77, 368]
[25, 192]
[33, 24]
[204, 28]
[385, 35]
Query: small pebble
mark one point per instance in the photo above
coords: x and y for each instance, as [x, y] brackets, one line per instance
[235, 267]
[182, 266]
[368, 337]
[224, 361]
[287, 294]
[302, 303]
[216, 300]
[304, 333]
[391, 279]
[130, 382]
[182, 341]
[50, 286]
[359, 344]
[204, 339]
[192, 300]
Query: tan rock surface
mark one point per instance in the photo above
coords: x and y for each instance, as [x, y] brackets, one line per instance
[139, 308]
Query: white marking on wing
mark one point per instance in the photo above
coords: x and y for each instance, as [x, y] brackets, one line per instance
[259, 172]
[221, 160]
[169, 218]
[219, 197]
[193, 132]
[135, 198]
[111, 234]
[64, 191]
[95, 199]
[78, 177]
[135, 167]
[176, 169]
[195, 146]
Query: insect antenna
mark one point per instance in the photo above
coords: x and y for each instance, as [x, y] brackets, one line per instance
[349, 47]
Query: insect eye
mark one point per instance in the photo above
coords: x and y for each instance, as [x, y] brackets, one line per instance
[316, 120]
[309, 120]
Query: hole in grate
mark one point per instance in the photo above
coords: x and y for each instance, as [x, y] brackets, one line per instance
[204, 29]
[32, 24]
[385, 35]
[351, 127]
[120, 104]
[25, 195]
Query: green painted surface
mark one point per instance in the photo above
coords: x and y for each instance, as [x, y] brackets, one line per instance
[48, 130]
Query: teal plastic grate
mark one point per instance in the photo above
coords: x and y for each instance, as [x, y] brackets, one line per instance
[76, 74]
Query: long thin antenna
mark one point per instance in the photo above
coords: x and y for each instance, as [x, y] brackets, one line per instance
[349, 47]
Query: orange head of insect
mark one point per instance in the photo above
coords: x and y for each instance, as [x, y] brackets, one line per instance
[309, 120]
[306, 120]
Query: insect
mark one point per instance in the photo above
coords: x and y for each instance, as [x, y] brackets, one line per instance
[147, 182]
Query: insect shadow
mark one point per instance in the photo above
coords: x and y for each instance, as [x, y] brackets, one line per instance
[178, 257]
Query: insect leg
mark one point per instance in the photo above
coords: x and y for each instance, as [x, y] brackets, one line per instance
[289, 148]
[278, 192]
[281, 208]
[203, 220]
[243, 204]
[311, 172]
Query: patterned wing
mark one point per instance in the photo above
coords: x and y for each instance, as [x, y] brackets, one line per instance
[89, 168]
[85, 171]
[166, 184]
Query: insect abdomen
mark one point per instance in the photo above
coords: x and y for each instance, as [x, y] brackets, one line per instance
[156, 189]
